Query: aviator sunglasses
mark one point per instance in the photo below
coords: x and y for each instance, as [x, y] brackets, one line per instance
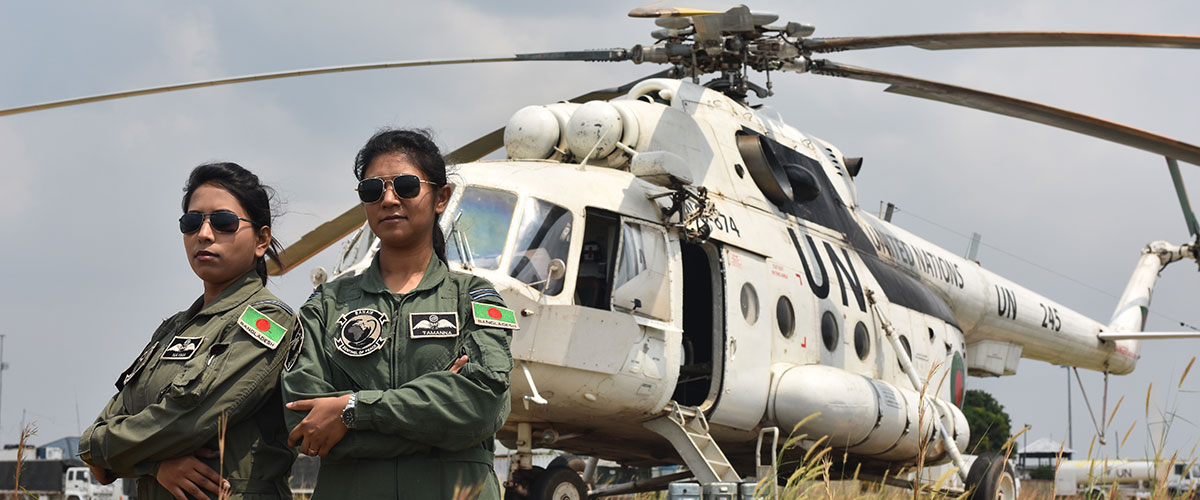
[222, 221]
[370, 190]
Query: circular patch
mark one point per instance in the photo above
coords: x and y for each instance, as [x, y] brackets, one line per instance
[262, 324]
[360, 332]
[958, 383]
[494, 313]
[294, 347]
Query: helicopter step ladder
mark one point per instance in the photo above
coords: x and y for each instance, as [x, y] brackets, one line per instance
[687, 431]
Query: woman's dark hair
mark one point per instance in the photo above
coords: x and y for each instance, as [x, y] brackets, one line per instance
[254, 196]
[418, 146]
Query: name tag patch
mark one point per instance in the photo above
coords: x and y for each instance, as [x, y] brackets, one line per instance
[182, 348]
[432, 325]
[360, 332]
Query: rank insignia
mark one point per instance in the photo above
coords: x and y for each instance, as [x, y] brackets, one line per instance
[495, 316]
[360, 332]
[262, 328]
[294, 348]
[432, 325]
[182, 348]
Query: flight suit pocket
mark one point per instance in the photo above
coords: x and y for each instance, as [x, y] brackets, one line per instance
[185, 387]
[189, 386]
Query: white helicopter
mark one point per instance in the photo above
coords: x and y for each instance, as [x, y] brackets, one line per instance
[718, 277]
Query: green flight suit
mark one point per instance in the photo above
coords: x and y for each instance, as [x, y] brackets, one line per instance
[422, 432]
[199, 364]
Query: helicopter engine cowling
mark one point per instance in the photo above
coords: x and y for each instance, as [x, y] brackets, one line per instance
[864, 416]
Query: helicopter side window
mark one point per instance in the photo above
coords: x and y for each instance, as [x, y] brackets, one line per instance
[641, 274]
[543, 235]
[593, 283]
[479, 227]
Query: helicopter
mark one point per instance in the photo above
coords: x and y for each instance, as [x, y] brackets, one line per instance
[720, 214]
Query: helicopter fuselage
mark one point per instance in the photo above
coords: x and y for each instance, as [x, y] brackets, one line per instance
[763, 320]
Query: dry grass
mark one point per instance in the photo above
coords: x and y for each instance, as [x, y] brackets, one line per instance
[27, 432]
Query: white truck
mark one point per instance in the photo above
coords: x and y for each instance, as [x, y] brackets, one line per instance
[1098, 479]
[57, 480]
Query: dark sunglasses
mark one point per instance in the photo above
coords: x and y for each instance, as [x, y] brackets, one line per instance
[222, 221]
[370, 190]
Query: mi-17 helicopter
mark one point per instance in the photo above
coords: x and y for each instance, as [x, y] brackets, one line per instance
[735, 283]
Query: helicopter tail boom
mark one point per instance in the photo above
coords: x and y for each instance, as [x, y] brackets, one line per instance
[1129, 318]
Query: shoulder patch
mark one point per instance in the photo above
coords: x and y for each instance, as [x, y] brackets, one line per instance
[294, 348]
[262, 328]
[495, 316]
[276, 303]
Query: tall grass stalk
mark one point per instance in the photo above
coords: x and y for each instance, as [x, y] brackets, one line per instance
[27, 432]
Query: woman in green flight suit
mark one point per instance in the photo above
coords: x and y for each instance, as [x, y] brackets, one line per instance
[403, 380]
[220, 357]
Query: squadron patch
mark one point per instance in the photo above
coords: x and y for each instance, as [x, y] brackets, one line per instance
[495, 316]
[182, 348]
[360, 332]
[294, 348]
[263, 329]
[136, 367]
[432, 325]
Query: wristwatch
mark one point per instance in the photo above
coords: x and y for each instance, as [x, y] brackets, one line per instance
[348, 413]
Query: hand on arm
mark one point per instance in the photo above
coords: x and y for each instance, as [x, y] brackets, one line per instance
[322, 427]
[104, 476]
[188, 476]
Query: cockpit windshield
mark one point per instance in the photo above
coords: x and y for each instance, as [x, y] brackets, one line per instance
[544, 234]
[479, 227]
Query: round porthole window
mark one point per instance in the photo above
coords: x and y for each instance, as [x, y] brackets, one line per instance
[785, 315]
[829, 331]
[749, 303]
[862, 341]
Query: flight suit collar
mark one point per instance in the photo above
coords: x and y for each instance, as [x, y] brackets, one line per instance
[237, 293]
[435, 274]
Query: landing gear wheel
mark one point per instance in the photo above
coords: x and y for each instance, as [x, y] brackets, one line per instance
[519, 486]
[559, 483]
[992, 478]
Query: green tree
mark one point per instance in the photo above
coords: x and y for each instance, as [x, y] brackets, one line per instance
[989, 424]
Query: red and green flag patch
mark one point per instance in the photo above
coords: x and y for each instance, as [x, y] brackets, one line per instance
[495, 316]
[262, 328]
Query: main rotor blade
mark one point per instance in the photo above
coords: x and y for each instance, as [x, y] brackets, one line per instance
[330, 232]
[1017, 108]
[1004, 39]
[1188, 215]
[317, 240]
[252, 78]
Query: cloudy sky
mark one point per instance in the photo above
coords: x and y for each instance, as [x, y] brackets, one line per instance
[89, 196]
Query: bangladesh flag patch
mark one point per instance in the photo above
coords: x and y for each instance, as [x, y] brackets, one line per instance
[490, 315]
[262, 328]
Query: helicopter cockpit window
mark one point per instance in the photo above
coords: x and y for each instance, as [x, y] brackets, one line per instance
[641, 274]
[479, 227]
[543, 235]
